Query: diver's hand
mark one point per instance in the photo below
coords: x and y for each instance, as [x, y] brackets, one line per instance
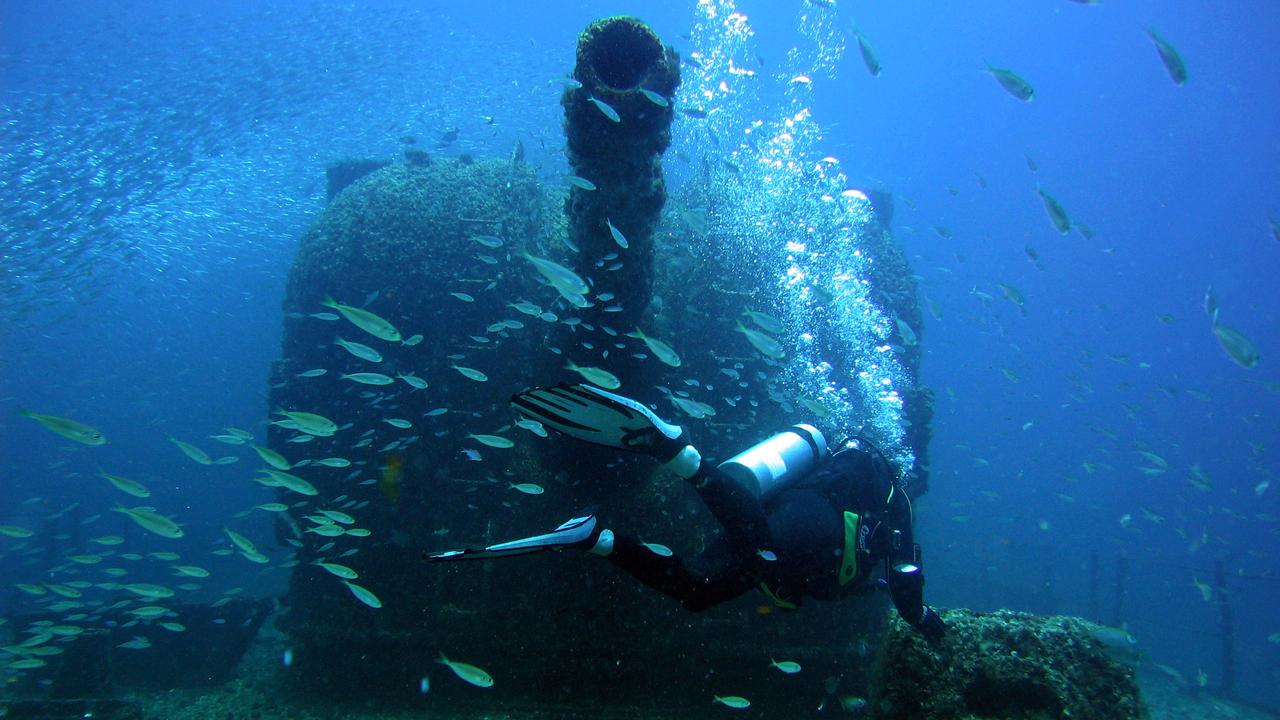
[931, 625]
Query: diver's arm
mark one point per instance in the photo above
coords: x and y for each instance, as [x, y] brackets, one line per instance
[905, 572]
[906, 585]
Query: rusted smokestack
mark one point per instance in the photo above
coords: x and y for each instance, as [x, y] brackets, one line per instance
[618, 124]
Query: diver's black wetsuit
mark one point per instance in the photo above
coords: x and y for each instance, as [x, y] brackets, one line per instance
[819, 536]
[803, 525]
[746, 531]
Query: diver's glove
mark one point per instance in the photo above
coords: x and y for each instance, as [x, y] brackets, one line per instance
[931, 625]
[602, 418]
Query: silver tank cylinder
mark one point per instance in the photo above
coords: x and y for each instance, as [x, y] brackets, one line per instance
[768, 466]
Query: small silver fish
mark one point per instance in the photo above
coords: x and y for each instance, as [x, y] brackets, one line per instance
[471, 373]
[1239, 347]
[1172, 59]
[655, 98]
[1056, 212]
[869, 57]
[1013, 84]
[658, 549]
[618, 237]
[580, 182]
[606, 109]
[467, 673]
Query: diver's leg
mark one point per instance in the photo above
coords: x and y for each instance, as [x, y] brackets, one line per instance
[746, 533]
[668, 574]
[652, 565]
[737, 510]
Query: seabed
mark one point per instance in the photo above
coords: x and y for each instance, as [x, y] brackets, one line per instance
[258, 692]
[264, 689]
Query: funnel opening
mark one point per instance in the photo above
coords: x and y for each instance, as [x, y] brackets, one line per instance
[622, 52]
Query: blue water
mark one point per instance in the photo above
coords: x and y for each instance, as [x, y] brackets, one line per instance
[160, 166]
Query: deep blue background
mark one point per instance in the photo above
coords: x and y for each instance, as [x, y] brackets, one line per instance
[1176, 182]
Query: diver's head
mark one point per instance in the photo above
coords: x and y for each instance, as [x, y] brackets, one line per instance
[859, 465]
[858, 478]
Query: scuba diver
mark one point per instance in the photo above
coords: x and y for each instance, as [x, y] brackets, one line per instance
[798, 521]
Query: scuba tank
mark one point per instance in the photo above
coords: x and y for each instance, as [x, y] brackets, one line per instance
[768, 466]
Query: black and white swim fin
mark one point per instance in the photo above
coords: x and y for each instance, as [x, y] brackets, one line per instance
[597, 416]
[579, 532]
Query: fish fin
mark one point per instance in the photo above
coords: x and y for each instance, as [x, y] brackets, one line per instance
[329, 302]
[25, 412]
